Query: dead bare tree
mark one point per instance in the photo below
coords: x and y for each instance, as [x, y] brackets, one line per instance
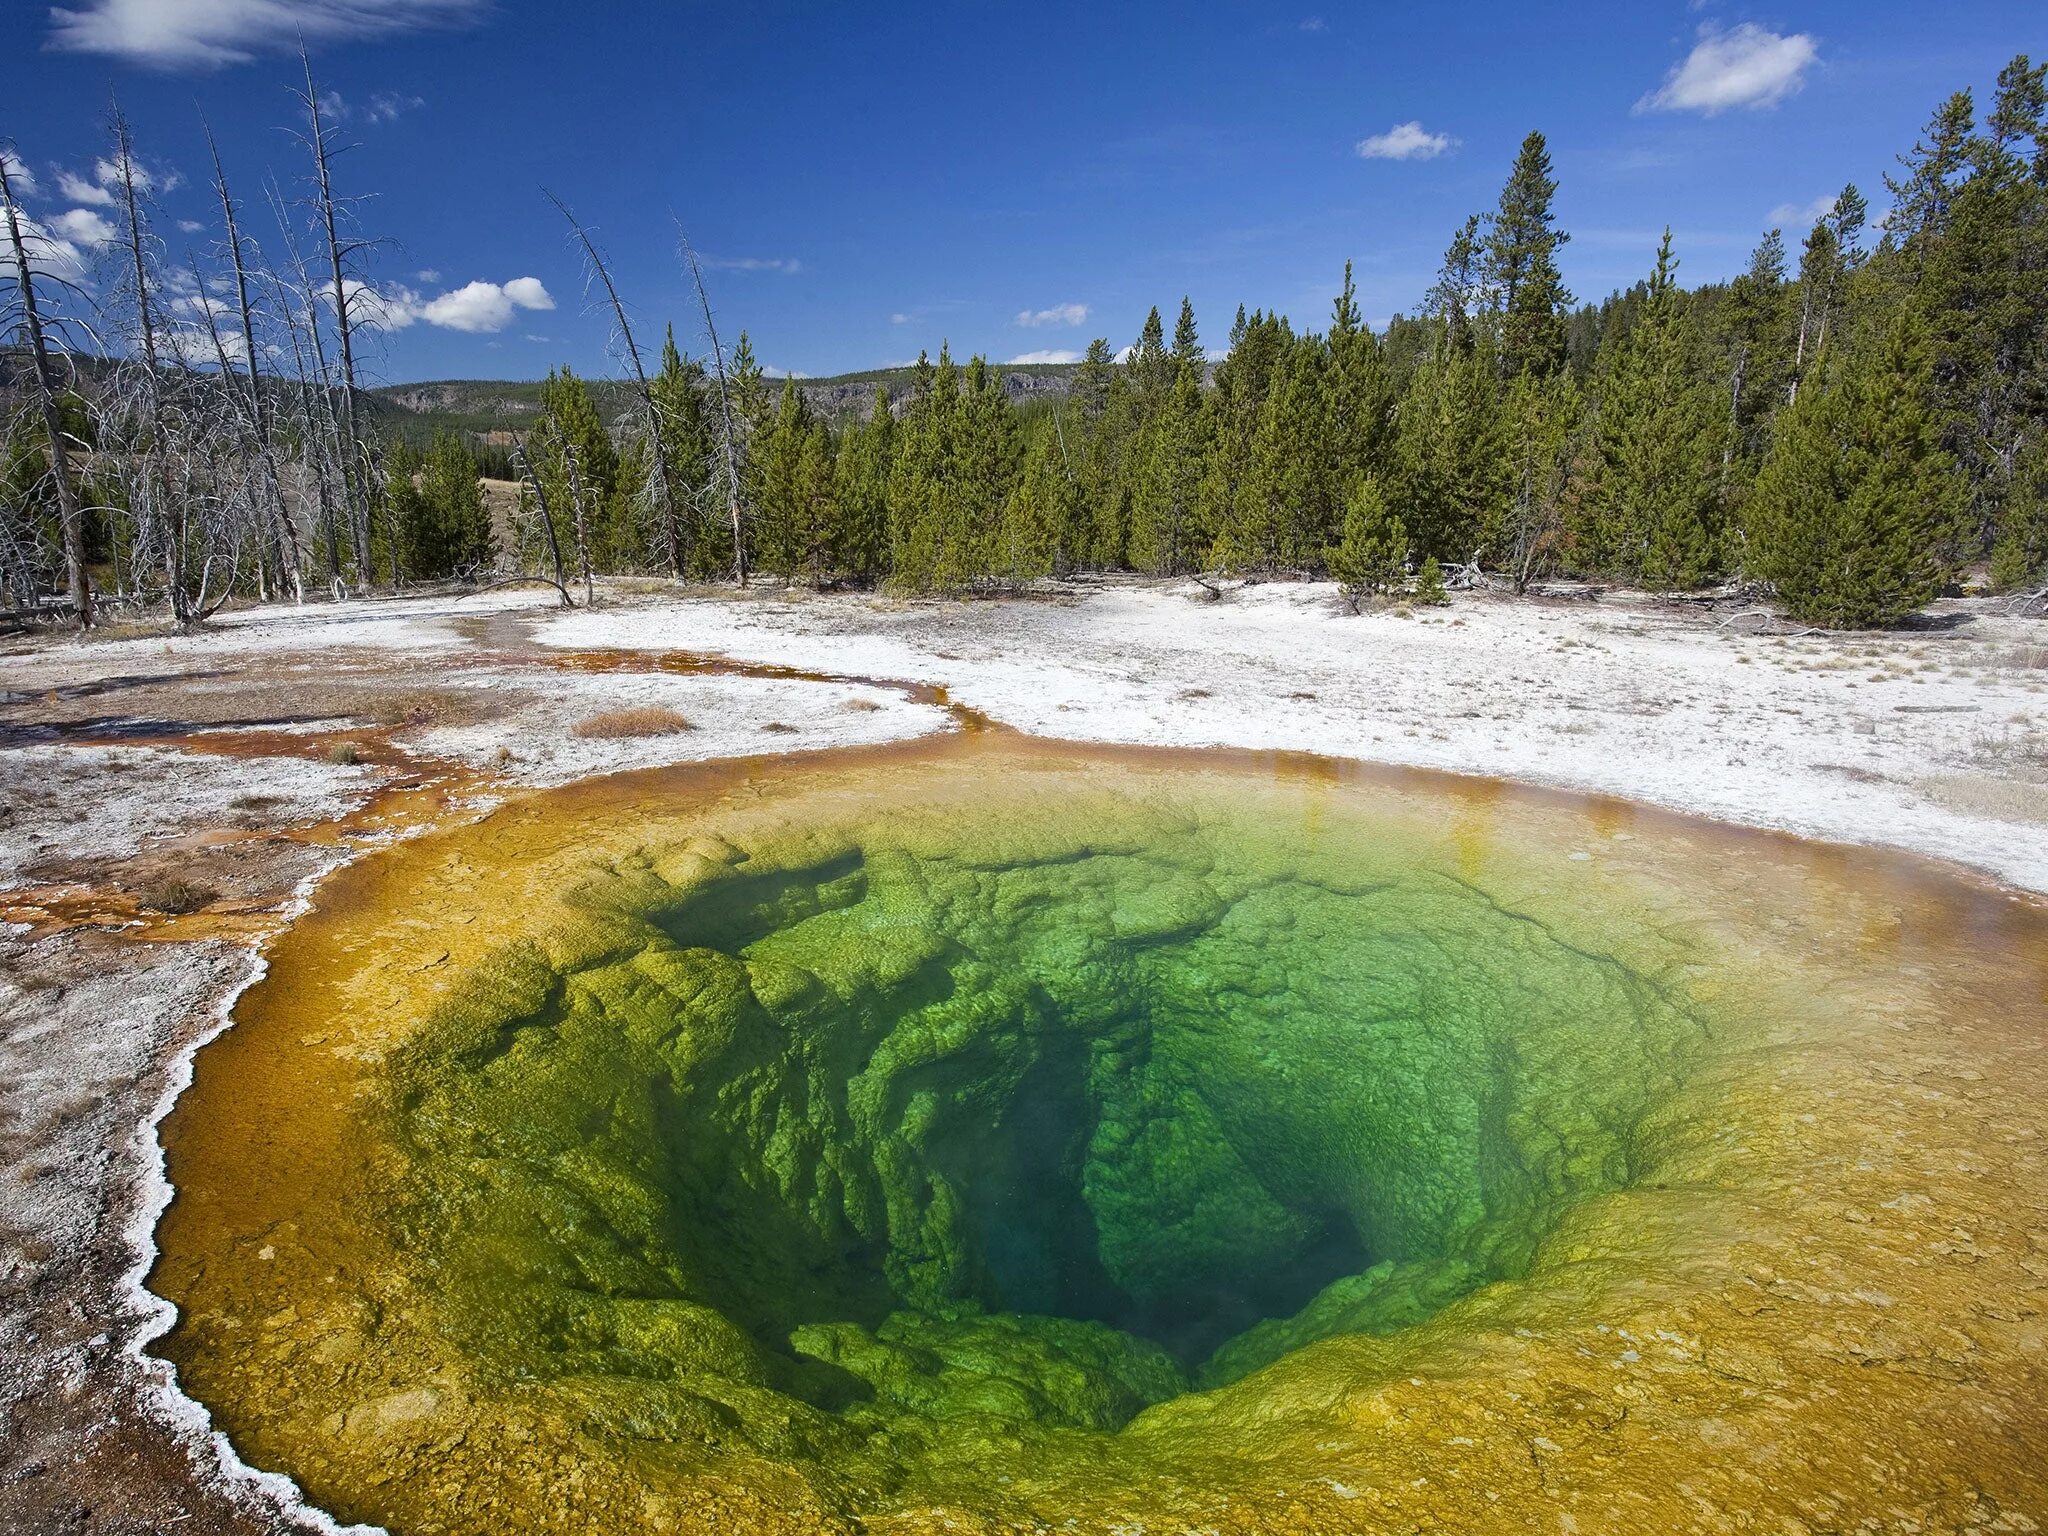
[664, 482]
[340, 256]
[728, 437]
[70, 511]
[258, 414]
[524, 462]
[321, 434]
[581, 505]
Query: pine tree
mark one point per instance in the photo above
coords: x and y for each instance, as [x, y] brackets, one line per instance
[1451, 483]
[1361, 393]
[452, 488]
[569, 424]
[1429, 584]
[987, 454]
[2019, 560]
[1165, 535]
[1285, 520]
[1187, 342]
[863, 493]
[684, 421]
[1456, 293]
[782, 534]
[1150, 368]
[1651, 507]
[1041, 522]
[1372, 556]
[1830, 257]
[1541, 419]
[1758, 337]
[1847, 517]
[1521, 266]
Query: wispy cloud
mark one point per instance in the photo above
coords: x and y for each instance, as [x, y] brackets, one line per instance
[1314, 24]
[206, 34]
[1057, 314]
[19, 176]
[1800, 216]
[1048, 355]
[1749, 66]
[190, 226]
[899, 318]
[785, 264]
[381, 107]
[1405, 141]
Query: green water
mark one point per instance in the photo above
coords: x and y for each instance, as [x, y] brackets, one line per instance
[862, 1150]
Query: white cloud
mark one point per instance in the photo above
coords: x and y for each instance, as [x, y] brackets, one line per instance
[84, 227]
[79, 190]
[1750, 66]
[104, 189]
[1058, 314]
[19, 176]
[477, 308]
[528, 293]
[1314, 24]
[190, 226]
[427, 275]
[481, 307]
[785, 264]
[770, 371]
[385, 106]
[48, 251]
[1049, 355]
[1405, 141]
[899, 318]
[108, 175]
[1800, 216]
[205, 34]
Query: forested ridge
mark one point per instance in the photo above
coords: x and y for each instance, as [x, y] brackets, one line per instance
[1856, 421]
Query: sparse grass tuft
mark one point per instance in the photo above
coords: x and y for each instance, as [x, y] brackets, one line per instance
[861, 706]
[778, 728]
[175, 896]
[345, 753]
[643, 720]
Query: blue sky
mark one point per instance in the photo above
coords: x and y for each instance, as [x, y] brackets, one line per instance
[866, 181]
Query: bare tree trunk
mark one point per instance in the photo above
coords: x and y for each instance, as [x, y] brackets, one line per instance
[356, 493]
[547, 518]
[727, 437]
[259, 423]
[580, 503]
[70, 514]
[664, 476]
[321, 426]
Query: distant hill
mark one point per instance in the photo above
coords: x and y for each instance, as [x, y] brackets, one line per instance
[493, 409]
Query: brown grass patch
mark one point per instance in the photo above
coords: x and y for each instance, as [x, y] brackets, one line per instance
[779, 728]
[645, 720]
[175, 896]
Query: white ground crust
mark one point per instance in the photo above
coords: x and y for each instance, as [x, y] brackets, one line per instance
[63, 801]
[1806, 735]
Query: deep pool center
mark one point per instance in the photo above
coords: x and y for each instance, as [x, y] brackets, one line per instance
[974, 1134]
[993, 1135]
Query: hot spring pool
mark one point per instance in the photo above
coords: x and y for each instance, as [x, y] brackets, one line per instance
[998, 1135]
